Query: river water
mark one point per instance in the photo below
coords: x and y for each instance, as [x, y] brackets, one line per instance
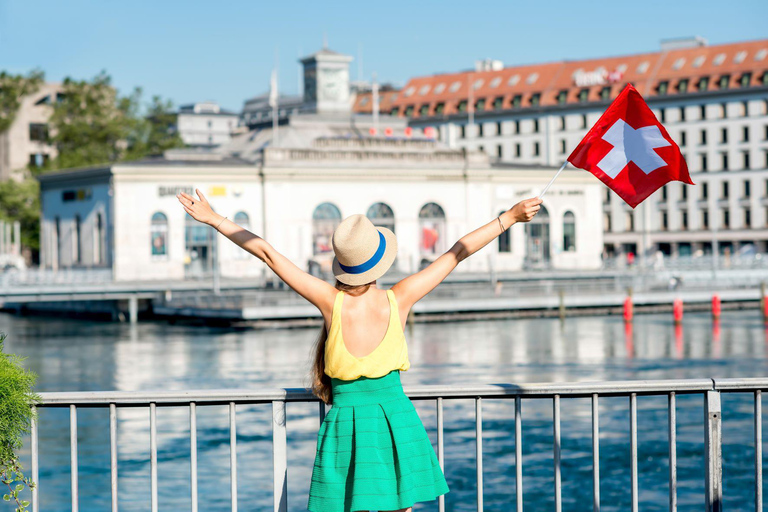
[73, 355]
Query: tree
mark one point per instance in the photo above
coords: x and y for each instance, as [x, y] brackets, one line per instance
[20, 200]
[159, 131]
[12, 89]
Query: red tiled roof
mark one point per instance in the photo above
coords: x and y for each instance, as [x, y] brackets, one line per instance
[364, 101]
[443, 94]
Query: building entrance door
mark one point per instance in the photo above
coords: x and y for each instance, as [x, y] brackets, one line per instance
[537, 252]
[198, 241]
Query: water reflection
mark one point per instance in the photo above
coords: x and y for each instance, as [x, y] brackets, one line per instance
[105, 356]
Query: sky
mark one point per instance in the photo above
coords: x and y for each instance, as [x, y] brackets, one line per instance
[225, 51]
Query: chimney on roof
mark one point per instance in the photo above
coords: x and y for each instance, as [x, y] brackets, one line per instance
[680, 43]
[488, 65]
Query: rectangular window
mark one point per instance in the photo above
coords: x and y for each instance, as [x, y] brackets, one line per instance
[535, 126]
[463, 134]
[746, 188]
[683, 192]
[724, 135]
[684, 219]
[439, 108]
[605, 93]
[462, 106]
[724, 190]
[38, 132]
[516, 100]
[498, 128]
[518, 149]
[682, 139]
[745, 134]
[663, 115]
[726, 218]
[535, 149]
[682, 113]
[562, 97]
[703, 161]
[583, 120]
[664, 221]
[562, 146]
[562, 123]
[517, 126]
[724, 111]
[703, 84]
[704, 219]
[745, 157]
[765, 135]
[664, 193]
[424, 110]
[745, 79]
[703, 138]
[607, 222]
[630, 222]
[498, 103]
[408, 111]
[480, 104]
[583, 95]
[498, 151]
[682, 86]
[724, 156]
[705, 190]
[702, 112]
[747, 218]
[724, 81]
[662, 88]
[745, 108]
[480, 130]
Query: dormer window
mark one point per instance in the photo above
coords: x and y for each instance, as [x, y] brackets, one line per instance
[662, 88]
[682, 86]
[605, 93]
[745, 79]
[703, 83]
[583, 95]
[535, 99]
[516, 101]
[498, 102]
[724, 81]
[439, 108]
[562, 97]
[424, 110]
[480, 104]
[409, 111]
[463, 106]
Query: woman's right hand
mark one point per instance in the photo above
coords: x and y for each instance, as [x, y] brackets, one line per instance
[199, 209]
[526, 209]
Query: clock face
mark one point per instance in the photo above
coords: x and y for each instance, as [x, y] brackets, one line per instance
[332, 81]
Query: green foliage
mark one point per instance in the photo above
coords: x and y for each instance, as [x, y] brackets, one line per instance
[16, 415]
[93, 125]
[21, 201]
[12, 89]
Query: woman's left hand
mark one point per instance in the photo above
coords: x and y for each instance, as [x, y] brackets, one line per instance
[199, 209]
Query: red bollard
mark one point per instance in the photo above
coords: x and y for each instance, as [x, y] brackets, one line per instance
[677, 310]
[765, 310]
[628, 313]
[716, 307]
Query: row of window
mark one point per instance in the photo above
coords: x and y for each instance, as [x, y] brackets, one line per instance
[725, 220]
[724, 136]
[725, 186]
[561, 97]
[77, 240]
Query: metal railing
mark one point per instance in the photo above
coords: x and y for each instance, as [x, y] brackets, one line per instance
[709, 389]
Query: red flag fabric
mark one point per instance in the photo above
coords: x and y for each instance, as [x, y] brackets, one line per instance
[630, 151]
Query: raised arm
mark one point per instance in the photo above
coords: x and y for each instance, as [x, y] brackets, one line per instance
[414, 287]
[315, 290]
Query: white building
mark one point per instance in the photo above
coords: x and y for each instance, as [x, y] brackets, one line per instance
[205, 124]
[26, 141]
[713, 100]
[294, 187]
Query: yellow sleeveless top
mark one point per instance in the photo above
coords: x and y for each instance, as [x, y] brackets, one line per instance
[390, 354]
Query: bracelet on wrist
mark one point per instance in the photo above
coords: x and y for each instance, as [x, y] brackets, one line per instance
[219, 224]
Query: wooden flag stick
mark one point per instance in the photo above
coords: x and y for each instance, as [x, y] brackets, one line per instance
[553, 179]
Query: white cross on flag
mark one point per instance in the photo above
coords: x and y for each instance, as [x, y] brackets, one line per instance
[629, 150]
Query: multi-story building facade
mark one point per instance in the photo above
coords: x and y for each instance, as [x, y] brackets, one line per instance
[713, 100]
[205, 124]
[26, 141]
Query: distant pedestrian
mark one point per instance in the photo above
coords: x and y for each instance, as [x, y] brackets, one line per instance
[373, 452]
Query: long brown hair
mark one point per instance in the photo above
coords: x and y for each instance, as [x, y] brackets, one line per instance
[321, 382]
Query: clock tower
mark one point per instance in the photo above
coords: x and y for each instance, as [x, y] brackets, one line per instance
[326, 82]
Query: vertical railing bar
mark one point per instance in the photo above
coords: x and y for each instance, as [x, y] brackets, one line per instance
[672, 451]
[73, 455]
[479, 451]
[193, 453]
[279, 457]
[233, 456]
[556, 450]
[35, 463]
[440, 453]
[113, 453]
[518, 454]
[595, 454]
[758, 450]
[153, 454]
[633, 447]
[714, 454]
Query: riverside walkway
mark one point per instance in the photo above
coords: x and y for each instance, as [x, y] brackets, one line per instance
[711, 391]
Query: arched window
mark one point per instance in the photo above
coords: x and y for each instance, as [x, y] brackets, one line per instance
[505, 241]
[569, 231]
[159, 235]
[325, 219]
[432, 228]
[242, 220]
[382, 215]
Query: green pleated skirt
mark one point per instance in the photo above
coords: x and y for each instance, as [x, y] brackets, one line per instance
[373, 452]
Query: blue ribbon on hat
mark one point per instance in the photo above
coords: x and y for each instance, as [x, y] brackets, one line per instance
[372, 261]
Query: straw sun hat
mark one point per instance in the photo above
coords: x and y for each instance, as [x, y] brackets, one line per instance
[363, 252]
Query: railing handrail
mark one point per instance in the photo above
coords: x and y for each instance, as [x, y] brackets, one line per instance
[501, 390]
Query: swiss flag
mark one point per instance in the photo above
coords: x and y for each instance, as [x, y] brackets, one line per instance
[629, 150]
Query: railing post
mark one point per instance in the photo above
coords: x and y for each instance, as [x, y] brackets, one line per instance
[279, 457]
[440, 452]
[518, 454]
[73, 455]
[479, 451]
[672, 407]
[233, 456]
[35, 464]
[758, 450]
[113, 453]
[595, 454]
[713, 485]
[556, 450]
[153, 456]
[193, 454]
